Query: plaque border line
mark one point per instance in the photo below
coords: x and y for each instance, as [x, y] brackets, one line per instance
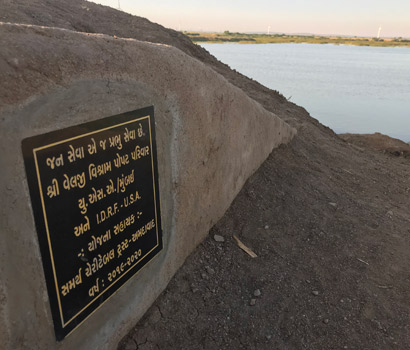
[63, 323]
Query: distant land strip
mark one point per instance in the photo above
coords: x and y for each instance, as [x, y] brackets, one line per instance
[244, 38]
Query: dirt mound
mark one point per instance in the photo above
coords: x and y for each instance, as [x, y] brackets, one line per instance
[379, 142]
[84, 16]
[329, 222]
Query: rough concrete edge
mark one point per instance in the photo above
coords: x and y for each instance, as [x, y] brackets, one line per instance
[106, 36]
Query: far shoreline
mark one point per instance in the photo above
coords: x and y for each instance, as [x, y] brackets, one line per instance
[245, 38]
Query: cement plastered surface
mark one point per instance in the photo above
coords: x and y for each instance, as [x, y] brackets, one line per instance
[210, 138]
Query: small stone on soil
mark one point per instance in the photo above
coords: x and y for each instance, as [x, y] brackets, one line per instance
[219, 238]
[257, 293]
[333, 204]
[266, 227]
[210, 270]
[325, 321]
[315, 293]
[252, 302]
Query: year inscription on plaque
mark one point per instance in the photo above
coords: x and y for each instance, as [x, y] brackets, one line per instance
[94, 192]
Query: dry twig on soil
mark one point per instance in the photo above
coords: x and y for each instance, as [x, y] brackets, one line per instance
[245, 248]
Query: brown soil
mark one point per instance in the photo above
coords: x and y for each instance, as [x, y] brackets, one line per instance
[328, 220]
[379, 142]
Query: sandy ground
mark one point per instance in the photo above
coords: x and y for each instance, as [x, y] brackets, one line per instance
[327, 218]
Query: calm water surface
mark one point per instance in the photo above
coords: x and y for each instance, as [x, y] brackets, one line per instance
[348, 88]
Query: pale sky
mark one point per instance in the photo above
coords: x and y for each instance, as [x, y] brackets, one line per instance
[344, 17]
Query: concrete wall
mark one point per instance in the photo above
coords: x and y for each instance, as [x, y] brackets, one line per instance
[210, 137]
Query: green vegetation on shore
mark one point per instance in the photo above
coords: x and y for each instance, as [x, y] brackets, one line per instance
[244, 38]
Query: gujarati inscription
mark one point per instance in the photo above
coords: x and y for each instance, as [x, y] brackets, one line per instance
[94, 190]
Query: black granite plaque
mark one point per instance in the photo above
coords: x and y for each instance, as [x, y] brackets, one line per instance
[94, 192]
